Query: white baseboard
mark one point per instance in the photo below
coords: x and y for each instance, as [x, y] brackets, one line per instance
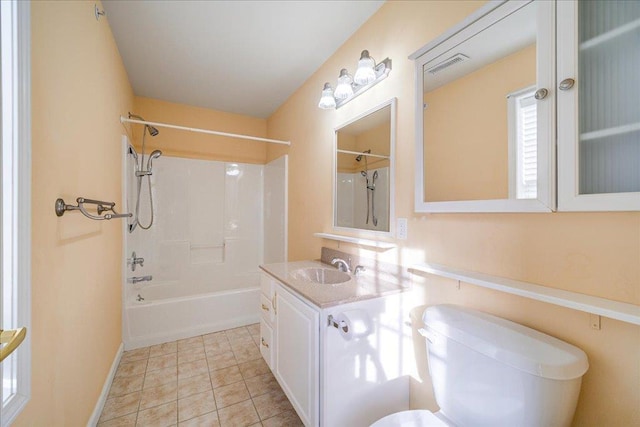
[97, 411]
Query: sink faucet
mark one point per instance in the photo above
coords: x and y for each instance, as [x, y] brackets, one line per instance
[341, 264]
[140, 279]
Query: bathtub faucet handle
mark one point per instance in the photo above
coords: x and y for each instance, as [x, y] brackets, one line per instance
[134, 260]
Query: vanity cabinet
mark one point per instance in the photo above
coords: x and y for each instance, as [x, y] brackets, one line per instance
[598, 105]
[333, 377]
[296, 364]
[267, 319]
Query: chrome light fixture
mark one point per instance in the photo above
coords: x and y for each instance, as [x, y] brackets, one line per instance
[368, 74]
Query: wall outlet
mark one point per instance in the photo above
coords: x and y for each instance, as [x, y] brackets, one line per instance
[401, 231]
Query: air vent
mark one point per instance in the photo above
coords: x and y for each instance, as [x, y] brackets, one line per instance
[455, 59]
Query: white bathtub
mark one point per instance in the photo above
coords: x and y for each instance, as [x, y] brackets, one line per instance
[160, 317]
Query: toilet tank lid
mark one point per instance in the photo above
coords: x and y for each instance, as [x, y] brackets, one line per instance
[507, 342]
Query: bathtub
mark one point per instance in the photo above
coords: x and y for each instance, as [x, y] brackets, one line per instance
[162, 316]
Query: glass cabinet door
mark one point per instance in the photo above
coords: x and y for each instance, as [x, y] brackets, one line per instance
[598, 105]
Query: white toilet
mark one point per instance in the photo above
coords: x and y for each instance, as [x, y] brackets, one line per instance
[488, 371]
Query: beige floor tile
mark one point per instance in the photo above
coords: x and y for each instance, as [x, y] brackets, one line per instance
[189, 343]
[195, 405]
[271, 404]
[206, 420]
[126, 385]
[253, 368]
[242, 414]
[284, 419]
[262, 384]
[225, 376]
[193, 385]
[129, 369]
[220, 361]
[191, 369]
[254, 328]
[217, 347]
[161, 349]
[133, 355]
[237, 332]
[126, 421]
[242, 342]
[162, 362]
[159, 416]
[213, 337]
[247, 354]
[191, 354]
[119, 406]
[231, 394]
[161, 376]
[256, 425]
[155, 396]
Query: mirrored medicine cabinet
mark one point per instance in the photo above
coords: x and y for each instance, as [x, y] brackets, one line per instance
[493, 92]
[484, 118]
[364, 171]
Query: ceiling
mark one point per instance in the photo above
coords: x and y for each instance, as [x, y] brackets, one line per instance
[244, 57]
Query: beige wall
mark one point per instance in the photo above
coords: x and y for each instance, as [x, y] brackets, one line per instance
[79, 89]
[179, 143]
[465, 130]
[592, 253]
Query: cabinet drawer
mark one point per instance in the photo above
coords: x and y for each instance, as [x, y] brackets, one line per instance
[266, 341]
[266, 310]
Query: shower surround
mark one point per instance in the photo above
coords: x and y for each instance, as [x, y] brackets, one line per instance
[203, 249]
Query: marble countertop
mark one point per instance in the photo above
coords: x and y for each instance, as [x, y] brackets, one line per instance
[366, 286]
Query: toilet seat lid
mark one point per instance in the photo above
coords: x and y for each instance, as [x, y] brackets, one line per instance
[416, 418]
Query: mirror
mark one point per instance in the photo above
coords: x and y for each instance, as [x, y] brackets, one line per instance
[363, 170]
[483, 139]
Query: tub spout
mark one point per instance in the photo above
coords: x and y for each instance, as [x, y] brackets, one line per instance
[137, 279]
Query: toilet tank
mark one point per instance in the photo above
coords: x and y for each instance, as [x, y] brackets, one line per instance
[488, 371]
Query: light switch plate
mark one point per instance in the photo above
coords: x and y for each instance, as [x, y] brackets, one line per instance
[402, 228]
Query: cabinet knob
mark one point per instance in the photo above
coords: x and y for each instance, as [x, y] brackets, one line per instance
[566, 84]
[541, 94]
[265, 307]
[264, 343]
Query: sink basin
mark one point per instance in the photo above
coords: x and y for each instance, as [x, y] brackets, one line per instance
[324, 276]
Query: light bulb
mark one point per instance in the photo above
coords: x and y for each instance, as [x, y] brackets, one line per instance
[365, 73]
[344, 89]
[327, 101]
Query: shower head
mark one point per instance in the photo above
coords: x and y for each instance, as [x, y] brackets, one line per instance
[359, 157]
[154, 155]
[152, 131]
[363, 173]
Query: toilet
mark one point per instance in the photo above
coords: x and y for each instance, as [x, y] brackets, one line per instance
[488, 371]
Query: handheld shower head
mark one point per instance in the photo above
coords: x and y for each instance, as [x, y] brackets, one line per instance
[154, 155]
[363, 173]
[359, 157]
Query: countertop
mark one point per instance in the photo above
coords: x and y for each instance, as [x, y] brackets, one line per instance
[366, 286]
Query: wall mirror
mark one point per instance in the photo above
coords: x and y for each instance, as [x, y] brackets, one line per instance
[364, 171]
[484, 113]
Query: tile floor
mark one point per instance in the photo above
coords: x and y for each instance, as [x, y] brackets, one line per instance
[215, 380]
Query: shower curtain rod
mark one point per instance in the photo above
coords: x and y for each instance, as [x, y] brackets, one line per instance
[210, 132]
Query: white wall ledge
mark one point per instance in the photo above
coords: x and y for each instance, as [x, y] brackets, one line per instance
[357, 240]
[624, 312]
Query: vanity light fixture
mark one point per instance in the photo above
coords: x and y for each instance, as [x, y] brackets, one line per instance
[367, 75]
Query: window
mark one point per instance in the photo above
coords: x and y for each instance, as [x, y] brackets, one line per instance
[15, 203]
[523, 144]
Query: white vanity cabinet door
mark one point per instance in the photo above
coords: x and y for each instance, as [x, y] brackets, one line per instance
[598, 90]
[297, 354]
[266, 343]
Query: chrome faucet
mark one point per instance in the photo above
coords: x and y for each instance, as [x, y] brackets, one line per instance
[140, 279]
[133, 261]
[341, 264]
